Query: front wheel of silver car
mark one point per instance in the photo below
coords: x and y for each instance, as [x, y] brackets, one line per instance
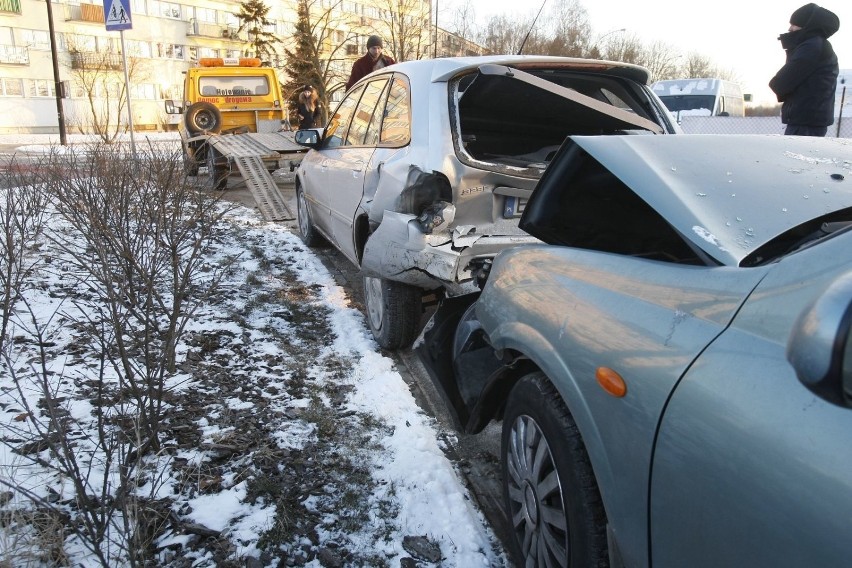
[393, 311]
[551, 496]
[307, 231]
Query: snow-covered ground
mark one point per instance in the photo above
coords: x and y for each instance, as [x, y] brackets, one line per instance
[278, 302]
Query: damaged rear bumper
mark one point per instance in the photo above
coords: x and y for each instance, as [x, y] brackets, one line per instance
[399, 250]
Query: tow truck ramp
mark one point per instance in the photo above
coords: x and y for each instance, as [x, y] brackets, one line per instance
[251, 152]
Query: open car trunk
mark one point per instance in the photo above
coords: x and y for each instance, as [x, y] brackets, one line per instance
[519, 118]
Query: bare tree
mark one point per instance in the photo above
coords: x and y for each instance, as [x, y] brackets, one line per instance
[570, 31]
[503, 34]
[100, 77]
[319, 43]
[697, 65]
[461, 22]
[407, 30]
[662, 60]
[621, 47]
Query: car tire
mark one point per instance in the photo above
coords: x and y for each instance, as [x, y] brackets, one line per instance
[217, 169]
[190, 165]
[546, 468]
[202, 117]
[393, 311]
[309, 234]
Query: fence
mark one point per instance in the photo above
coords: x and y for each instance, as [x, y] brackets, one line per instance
[842, 128]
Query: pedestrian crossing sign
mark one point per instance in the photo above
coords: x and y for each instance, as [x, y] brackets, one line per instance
[117, 15]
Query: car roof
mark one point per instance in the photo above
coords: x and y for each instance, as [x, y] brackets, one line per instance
[445, 68]
[730, 194]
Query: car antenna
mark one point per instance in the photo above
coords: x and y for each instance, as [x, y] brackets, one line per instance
[526, 37]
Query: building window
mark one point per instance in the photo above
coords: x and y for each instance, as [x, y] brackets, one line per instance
[207, 15]
[10, 87]
[143, 91]
[167, 10]
[35, 39]
[137, 48]
[40, 88]
[170, 51]
[137, 7]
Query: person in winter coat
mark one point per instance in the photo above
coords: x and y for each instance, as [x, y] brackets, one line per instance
[806, 83]
[309, 110]
[371, 61]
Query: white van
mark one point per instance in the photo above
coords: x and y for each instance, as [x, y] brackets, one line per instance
[701, 97]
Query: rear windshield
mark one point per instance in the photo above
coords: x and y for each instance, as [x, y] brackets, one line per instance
[507, 122]
[219, 86]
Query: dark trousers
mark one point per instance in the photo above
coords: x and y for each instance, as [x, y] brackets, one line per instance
[804, 130]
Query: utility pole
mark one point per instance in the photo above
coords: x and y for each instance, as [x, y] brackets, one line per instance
[63, 139]
[435, 47]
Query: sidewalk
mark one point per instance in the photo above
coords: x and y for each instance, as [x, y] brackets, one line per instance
[41, 143]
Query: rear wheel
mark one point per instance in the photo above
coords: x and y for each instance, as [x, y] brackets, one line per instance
[393, 311]
[190, 165]
[307, 231]
[217, 169]
[551, 496]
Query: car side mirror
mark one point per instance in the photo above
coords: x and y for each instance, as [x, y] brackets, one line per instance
[172, 108]
[309, 137]
[820, 346]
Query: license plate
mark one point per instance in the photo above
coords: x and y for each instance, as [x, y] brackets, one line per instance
[513, 207]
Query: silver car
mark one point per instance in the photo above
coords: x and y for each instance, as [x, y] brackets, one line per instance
[672, 368]
[424, 167]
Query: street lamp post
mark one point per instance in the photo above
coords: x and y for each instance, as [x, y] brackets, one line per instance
[57, 83]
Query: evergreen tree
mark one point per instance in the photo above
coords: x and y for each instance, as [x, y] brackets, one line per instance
[254, 19]
[303, 62]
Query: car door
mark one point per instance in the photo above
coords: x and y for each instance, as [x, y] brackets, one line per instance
[751, 468]
[351, 158]
[321, 168]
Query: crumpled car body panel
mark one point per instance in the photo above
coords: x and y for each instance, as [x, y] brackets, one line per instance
[479, 141]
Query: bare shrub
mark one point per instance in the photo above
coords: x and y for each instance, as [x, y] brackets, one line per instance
[132, 236]
[21, 221]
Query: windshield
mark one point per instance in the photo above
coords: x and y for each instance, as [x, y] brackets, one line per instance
[213, 86]
[688, 102]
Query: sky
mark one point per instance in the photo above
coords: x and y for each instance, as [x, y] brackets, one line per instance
[736, 34]
[411, 466]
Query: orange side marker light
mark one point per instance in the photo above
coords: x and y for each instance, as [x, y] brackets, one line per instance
[611, 382]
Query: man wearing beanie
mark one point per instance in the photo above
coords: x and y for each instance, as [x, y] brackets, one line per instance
[807, 81]
[372, 61]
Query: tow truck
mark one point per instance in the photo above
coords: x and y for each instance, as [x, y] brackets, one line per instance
[234, 118]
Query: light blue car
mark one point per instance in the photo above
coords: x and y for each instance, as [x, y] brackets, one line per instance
[673, 367]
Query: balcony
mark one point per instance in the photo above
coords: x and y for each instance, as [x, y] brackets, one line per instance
[89, 13]
[91, 60]
[14, 55]
[13, 6]
[201, 29]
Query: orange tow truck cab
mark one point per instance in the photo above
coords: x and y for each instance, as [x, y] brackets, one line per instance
[246, 95]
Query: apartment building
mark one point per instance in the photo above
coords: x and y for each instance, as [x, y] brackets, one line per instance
[166, 38]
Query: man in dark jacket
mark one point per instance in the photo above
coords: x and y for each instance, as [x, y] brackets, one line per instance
[807, 81]
[372, 61]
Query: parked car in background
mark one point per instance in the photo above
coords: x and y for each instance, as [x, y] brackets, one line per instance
[701, 97]
[424, 168]
[673, 363]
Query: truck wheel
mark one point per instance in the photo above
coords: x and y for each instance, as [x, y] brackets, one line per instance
[190, 165]
[550, 492]
[217, 169]
[203, 117]
[307, 231]
[393, 311]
